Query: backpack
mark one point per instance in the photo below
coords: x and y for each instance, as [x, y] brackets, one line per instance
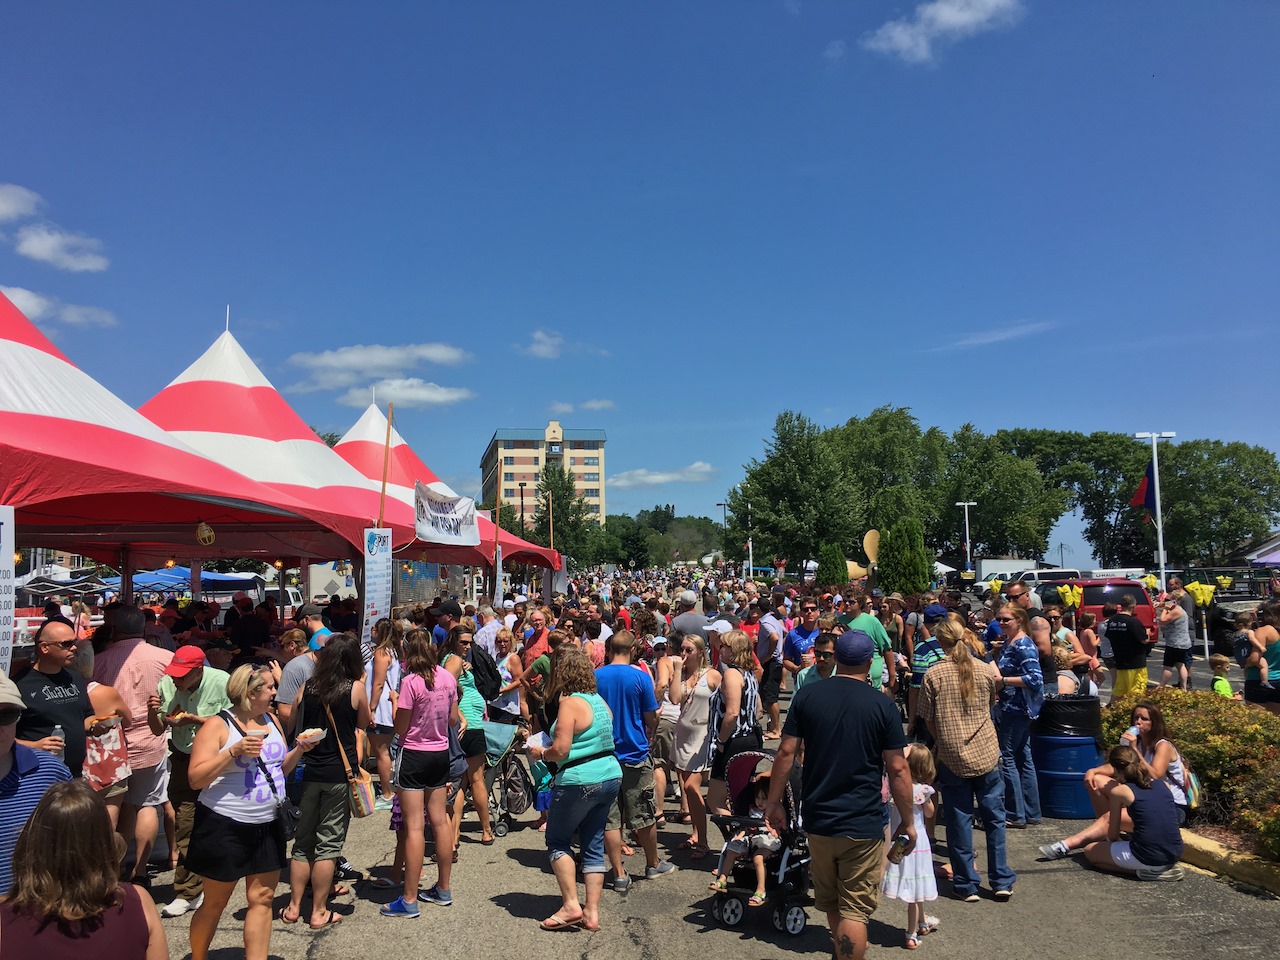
[484, 671]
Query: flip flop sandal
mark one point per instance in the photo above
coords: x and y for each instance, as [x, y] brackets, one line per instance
[688, 844]
[339, 890]
[684, 818]
[385, 883]
[284, 919]
[332, 921]
[719, 885]
[757, 900]
[555, 923]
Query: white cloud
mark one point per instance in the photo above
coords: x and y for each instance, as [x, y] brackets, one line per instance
[696, 472]
[939, 22]
[406, 392]
[985, 338]
[545, 345]
[835, 51]
[17, 202]
[561, 407]
[597, 405]
[346, 366]
[46, 311]
[59, 248]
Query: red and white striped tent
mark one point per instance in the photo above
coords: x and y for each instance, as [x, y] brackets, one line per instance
[87, 473]
[223, 406]
[364, 446]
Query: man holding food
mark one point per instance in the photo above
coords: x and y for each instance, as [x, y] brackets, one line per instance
[189, 694]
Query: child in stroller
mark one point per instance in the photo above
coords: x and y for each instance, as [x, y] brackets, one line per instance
[759, 839]
[785, 867]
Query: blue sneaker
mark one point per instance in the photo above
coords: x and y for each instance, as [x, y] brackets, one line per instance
[441, 898]
[400, 908]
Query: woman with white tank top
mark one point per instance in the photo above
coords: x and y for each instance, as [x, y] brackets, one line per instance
[238, 763]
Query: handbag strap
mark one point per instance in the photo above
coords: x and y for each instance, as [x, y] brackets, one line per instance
[342, 752]
[271, 781]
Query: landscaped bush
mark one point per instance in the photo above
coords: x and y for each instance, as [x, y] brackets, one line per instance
[1233, 746]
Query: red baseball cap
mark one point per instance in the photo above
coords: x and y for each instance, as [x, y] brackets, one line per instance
[185, 659]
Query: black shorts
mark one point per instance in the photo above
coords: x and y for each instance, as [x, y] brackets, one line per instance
[472, 743]
[227, 850]
[735, 746]
[1255, 692]
[771, 682]
[1177, 656]
[421, 770]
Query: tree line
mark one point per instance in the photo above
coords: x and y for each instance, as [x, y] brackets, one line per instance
[815, 486]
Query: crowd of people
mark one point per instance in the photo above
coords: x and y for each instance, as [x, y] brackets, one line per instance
[240, 743]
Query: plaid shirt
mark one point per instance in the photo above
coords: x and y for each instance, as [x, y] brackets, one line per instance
[966, 738]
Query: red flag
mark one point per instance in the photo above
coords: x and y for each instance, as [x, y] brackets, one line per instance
[1145, 495]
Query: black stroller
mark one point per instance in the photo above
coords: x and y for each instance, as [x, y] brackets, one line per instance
[787, 871]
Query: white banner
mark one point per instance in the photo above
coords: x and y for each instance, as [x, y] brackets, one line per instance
[378, 564]
[445, 518]
[6, 589]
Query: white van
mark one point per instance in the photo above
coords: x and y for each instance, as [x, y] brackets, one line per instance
[1057, 573]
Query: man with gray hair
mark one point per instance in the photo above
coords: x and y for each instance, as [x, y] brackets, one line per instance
[134, 667]
[486, 636]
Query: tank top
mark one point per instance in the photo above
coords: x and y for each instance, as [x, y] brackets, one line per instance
[119, 932]
[324, 764]
[667, 710]
[1175, 775]
[508, 702]
[470, 703]
[746, 722]
[596, 739]
[1177, 634]
[1157, 840]
[1271, 653]
[241, 792]
[383, 714]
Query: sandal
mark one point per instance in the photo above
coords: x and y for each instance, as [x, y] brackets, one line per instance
[386, 883]
[719, 885]
[699, 851]
[687, 844]
[660, 820]
[331, 921]
[684, 818]
[339, 890]
[757, 900]
[555, 923]
[628, 850]
[929, 925]
[913, 941]
[284, 919]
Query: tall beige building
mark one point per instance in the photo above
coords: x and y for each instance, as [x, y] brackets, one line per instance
[515, 456]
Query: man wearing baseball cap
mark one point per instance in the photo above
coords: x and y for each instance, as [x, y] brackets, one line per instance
[852, 736]
[189, 694]
[25, 775]
[311, 619]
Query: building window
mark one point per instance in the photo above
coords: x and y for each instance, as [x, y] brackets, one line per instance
[553, 449]
[593, 508]
[591, 492]
[508, 493]
[508, 444]
[572, 461]
[591, 445]
[508, 478]
[535, 461]
[508, 461]
[591, 461]
[591, 478]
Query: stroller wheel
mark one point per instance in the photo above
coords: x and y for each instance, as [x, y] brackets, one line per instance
[794, 919]
[500, 828]
[779, 918]
[732, 910]
[715, 908]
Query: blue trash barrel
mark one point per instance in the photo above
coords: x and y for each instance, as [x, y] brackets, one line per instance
[1060, 766]
[1066, 740]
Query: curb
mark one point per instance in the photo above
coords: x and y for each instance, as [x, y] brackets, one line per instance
[1244, 867]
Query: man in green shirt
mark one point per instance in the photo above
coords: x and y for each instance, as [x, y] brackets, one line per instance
[190, 694]
[883, 668]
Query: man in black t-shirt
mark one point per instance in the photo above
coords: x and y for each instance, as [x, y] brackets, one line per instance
[1130, 644]
[852, 735]
[55, 695]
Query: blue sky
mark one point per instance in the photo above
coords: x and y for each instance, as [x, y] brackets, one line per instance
[674, 219]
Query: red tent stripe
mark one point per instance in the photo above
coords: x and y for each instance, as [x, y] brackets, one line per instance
[208, 406]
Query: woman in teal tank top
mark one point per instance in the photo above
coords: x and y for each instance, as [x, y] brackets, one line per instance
[586, 784]
[471, 706]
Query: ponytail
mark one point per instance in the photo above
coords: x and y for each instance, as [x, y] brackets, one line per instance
[957, 640]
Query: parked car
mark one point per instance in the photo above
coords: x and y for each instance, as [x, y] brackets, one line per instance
[1099, 591]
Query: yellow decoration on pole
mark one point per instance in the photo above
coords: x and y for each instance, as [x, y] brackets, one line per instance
[1201, 593]
[1150, 581]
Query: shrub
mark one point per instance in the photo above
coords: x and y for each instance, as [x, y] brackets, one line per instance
[904, 564]
[1235, 749]
[831, 566]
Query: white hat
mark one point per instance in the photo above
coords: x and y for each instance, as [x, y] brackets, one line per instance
[719, 626]
[508, 604]
[688, 599]
[522, 599]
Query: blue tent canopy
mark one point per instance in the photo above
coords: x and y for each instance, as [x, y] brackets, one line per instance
[178, 579]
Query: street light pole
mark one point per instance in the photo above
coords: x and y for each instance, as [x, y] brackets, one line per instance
[523, 525]
[724, 529]
[968, 547]
[1155, 478]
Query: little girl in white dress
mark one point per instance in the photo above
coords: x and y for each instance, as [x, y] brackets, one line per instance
[912, 881]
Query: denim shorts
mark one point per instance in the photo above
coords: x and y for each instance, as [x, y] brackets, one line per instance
[583, 810]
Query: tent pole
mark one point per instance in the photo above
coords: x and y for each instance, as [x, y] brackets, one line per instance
[386, 465]
[126, 575]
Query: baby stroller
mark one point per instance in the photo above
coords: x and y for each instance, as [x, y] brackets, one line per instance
[510, 787]
[787, 871]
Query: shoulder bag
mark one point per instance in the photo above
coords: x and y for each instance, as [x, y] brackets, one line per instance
[287, 811]
[359, 783]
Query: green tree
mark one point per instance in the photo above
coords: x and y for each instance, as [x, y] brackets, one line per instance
[1216, 497]
[799, 494]
[904, 564]
[508, 518]
[330, 438]
[560, 511]
[832, 568]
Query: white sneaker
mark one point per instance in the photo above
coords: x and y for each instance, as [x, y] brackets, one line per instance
[179, 906]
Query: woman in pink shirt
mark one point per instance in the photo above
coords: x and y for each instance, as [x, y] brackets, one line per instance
[427, 707]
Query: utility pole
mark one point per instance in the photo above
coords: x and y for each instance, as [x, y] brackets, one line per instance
[968, 547]
[1161, 559]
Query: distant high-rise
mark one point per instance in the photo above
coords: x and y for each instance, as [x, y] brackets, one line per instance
[517, 455]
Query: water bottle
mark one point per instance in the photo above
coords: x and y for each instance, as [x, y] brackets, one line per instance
[59, 734]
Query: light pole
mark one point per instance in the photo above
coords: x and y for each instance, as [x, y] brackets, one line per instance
[1155, 438]
[523, 526]
[724, 529]
[968, 548]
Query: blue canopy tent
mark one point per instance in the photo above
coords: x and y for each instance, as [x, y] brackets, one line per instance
[178, 580]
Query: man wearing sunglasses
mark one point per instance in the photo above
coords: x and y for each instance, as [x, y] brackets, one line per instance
[824, 654]
[1019, 593]
[25, 775]
[55, 696]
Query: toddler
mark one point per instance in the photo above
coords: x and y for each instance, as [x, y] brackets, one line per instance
[1248, 650]
[912, 880]
[1221, 665]
[760, 840]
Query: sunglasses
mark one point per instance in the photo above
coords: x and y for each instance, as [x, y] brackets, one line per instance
[808, 609]
[8, 717]
[61, 644]
[1015, 596]
[824, 655]
[688, 649]
[1006, 619]
[1054, 618]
